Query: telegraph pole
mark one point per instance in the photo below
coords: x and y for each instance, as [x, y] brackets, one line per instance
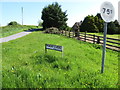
[22, 14]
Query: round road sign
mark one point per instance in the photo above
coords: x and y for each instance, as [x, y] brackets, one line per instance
[107, 11]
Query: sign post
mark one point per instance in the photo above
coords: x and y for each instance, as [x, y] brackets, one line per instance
[107, 14]
[104, 47]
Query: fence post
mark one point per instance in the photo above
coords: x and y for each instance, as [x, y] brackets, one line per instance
[98, 39]
[85, 36]
[65, 32]
[73, 33]
[62, 31]
[69, 33]
[94, 39]
[45, 49]
[78, 35]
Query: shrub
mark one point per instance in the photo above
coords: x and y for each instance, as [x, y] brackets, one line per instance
[13, 23]
[52, 30]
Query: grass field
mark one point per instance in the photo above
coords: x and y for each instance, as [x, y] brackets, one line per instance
[13, 29]
[25, 64]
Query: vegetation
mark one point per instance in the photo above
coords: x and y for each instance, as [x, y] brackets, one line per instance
[89, 22]
[25, 65]
[40, 23]
[95, 24]
[13, 23]
[113, 27]
[52, 30]
[12, 29]
[53, 16]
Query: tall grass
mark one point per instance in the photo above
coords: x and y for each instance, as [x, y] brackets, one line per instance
[25, 64]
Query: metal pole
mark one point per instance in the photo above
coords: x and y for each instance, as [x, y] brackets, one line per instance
[104, 47]
[22, 15]
[62, 52]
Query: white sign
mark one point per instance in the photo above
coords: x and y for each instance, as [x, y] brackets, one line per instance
[107, 11]
[54, 47]
[119, 12]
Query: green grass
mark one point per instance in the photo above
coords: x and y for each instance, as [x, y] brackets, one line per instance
[25, 64]
[13, 29]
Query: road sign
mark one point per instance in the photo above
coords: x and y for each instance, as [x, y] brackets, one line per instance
[107, 11]
[54, 47]
[107, 14]
[119, 12]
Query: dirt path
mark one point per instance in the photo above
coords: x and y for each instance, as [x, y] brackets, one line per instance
[15, 36]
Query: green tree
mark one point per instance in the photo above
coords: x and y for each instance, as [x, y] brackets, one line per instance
[111, 28]
[13, 23]
[114, 27]
[116, 23]
[99, 22]
[40, 23]
[117, 30]
[99, 16]
[89, 25]
[53, 16]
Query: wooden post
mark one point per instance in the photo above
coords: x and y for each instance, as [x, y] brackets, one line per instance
[78, 35]
[85, 36]
[45, 49]
[62, 31]
[98, 39]
[73, 34]
[69, 33]
[94, 39]
[62, 51]
[65, 33]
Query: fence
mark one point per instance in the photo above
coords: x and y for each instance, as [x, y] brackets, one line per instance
[111, 43]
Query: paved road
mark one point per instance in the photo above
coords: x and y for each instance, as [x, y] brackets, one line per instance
[15, 36]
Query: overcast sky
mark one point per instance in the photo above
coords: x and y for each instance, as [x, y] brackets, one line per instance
[10, 10]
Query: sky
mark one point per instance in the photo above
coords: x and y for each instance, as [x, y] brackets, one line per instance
[77, 10]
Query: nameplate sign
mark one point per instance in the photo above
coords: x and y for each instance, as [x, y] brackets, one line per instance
[54, 47]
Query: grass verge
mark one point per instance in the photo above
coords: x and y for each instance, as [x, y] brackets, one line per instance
[13, 29]
[25, 64]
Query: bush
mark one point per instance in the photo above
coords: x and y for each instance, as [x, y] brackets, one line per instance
[52, 30]
[13, 23]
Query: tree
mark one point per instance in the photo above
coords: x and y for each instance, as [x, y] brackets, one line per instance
[117, 30]
[53, 16]
[114, 27]
[89, 25]
[99, 16]
[13, 23]
[40, 23]
[99, 22]
[111, 28]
